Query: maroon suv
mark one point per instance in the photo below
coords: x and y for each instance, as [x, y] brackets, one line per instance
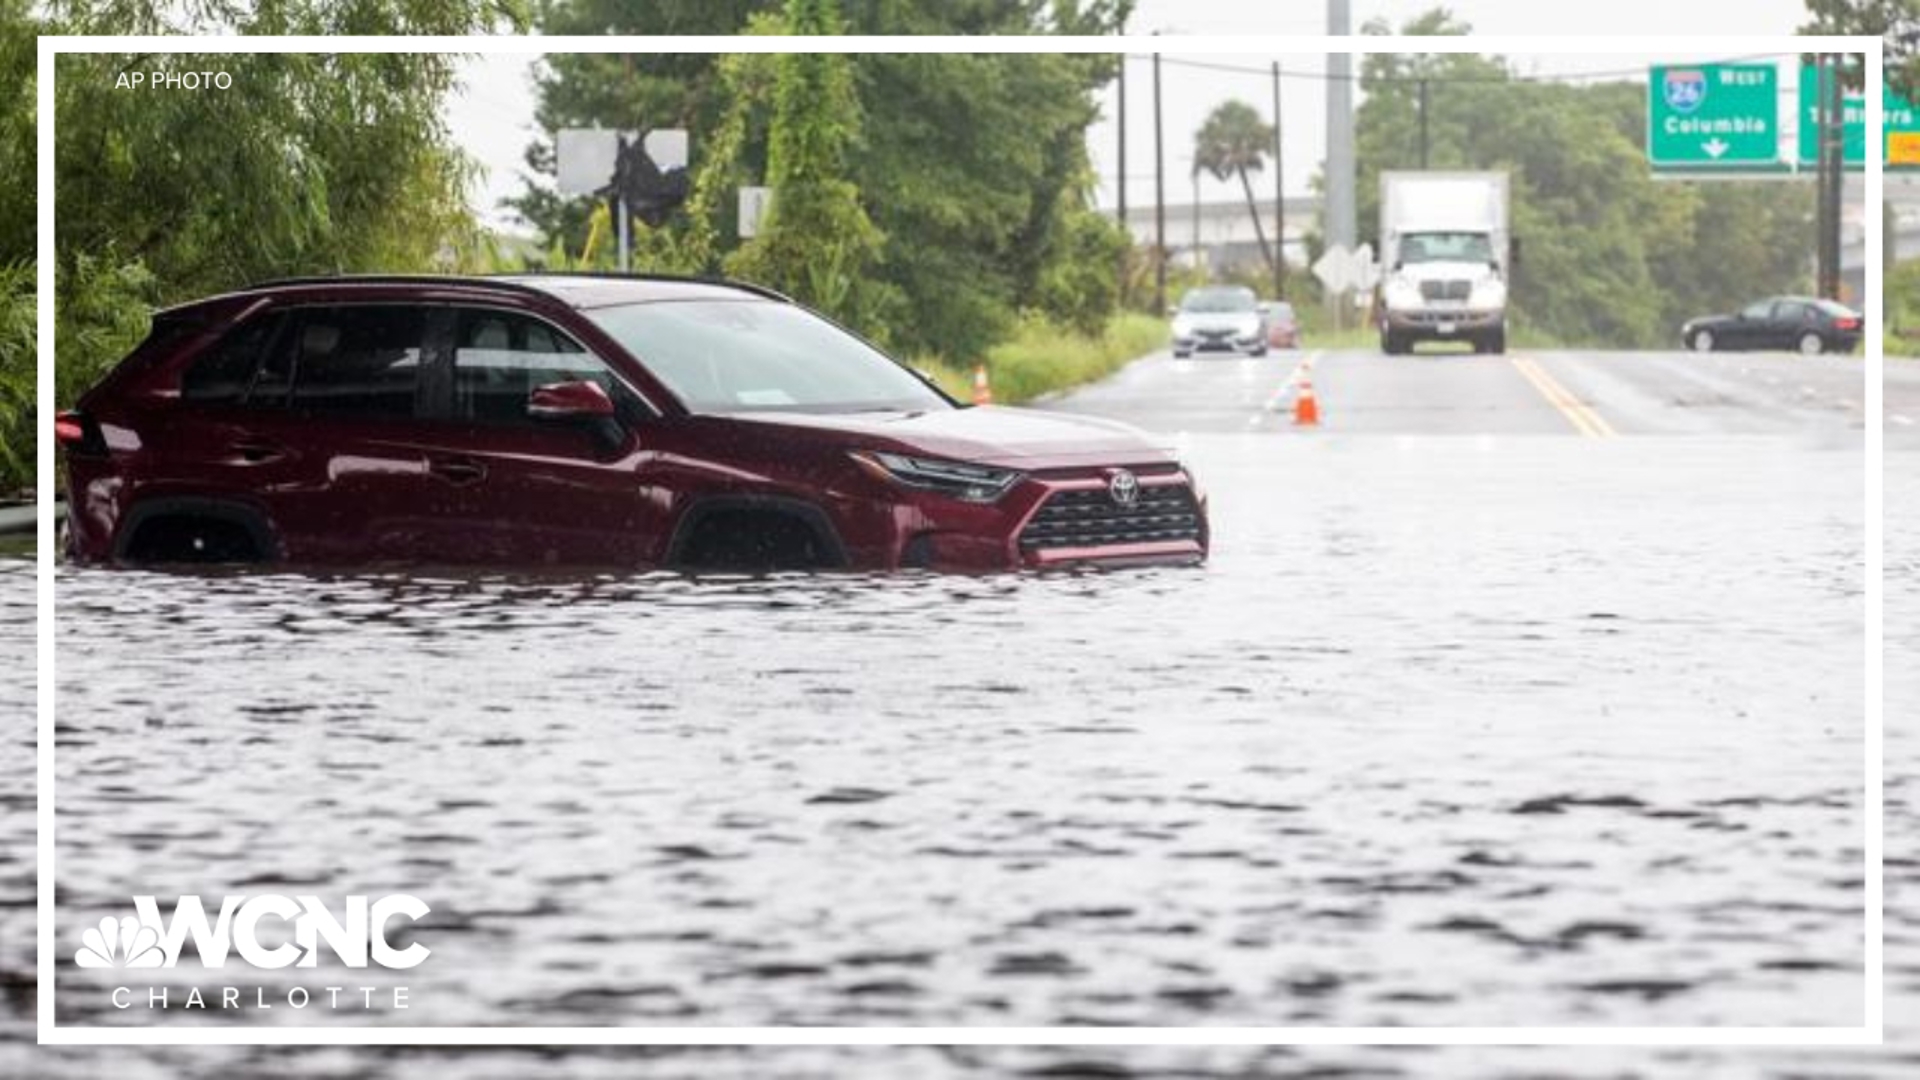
[575, 419]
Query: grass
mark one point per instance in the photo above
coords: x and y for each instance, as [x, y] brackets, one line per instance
[1042, 358]
[18, 545]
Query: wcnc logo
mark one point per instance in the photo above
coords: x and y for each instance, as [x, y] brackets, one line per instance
[360, 937]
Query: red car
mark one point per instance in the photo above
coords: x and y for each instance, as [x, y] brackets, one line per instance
[1283, 326]
[579, 419]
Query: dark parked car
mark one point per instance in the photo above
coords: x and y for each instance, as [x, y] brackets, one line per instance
[583, 420]
[1782, 322]
[1219, 318]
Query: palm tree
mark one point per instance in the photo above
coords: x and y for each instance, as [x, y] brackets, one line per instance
[1235, 140]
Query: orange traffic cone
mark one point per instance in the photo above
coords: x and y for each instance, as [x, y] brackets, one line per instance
[1306, 411]
[982, 390]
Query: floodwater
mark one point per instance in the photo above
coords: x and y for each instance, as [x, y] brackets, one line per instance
[1512, 731]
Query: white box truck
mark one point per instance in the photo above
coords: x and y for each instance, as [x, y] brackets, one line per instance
[1445, 252]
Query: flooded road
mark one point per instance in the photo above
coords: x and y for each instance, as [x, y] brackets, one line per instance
[1500, 728]
[1564, 744]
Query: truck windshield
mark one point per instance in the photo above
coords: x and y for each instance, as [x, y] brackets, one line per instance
[1445, 247]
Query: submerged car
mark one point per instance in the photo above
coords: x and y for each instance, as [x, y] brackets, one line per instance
[1219, 318]
[580, 419]
[1801, 323]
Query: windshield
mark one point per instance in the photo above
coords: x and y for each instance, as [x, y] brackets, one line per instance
[1218, 300]
[722, 356]
[1445, 247]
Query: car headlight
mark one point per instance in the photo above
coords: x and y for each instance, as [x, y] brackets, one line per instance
[1182, 327]
[1489, 293]
[1249, 326]
[958, 479]
[1402, 294]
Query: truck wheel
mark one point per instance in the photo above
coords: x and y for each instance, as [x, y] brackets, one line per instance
[1390, 343]
[1496, 342]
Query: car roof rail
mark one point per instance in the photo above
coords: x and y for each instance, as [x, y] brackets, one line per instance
[506, 280]
[615, 275]
[382, 279]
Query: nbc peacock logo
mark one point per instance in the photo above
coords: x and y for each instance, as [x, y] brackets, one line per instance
[120, 943]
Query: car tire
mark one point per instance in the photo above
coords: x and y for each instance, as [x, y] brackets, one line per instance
[1495, 342]
[1258, 353]
[1390, 343]
[1701, 341]
[1812, 344]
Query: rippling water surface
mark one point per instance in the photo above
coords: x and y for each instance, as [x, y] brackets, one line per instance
[1451, 731]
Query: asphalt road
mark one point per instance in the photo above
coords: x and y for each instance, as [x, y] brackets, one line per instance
[1587, 393]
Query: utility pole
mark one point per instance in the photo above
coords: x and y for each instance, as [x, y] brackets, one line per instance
[1832, 173]
[1126, 227]
[1340, 178]
[1279, 198]
[1339, 228]
[1159, 200]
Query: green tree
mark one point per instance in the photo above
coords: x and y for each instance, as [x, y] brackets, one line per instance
[816, 242]
[1896, 22]
[18, 28]
[1233, 142]
[973, 169]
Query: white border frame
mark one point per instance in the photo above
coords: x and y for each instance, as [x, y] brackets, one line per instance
[1870, 1032]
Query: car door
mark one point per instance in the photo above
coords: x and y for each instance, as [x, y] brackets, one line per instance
[310, 415]
[534, 491]
[1790, 319]
[1748, 329]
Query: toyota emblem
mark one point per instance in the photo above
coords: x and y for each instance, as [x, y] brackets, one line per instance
[1123, 487]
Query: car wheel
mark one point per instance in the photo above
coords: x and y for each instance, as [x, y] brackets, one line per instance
[1259, 352]
[1703, 341]
[1811, 344]
[1179, 355]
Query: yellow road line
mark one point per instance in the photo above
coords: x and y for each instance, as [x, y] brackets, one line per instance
[1578, 413]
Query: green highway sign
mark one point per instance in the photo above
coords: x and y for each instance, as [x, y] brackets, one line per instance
[1902, 126]
[1714, 116]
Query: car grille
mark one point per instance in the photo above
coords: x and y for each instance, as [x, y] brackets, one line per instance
[1446, 290]
[1090, 518]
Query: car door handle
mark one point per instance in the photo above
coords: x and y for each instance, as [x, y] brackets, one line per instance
[257, 451]
[458, 470]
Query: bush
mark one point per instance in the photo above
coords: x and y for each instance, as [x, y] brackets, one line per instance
[1043, 356]
[17, 351]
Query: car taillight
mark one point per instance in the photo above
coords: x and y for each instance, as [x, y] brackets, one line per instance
[1848, 323]
[77, 434]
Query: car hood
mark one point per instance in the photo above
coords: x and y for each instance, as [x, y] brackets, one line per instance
[989, 435]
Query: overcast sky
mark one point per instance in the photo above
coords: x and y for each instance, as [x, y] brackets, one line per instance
[492, 117]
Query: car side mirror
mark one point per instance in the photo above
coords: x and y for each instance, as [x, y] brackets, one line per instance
[1172, 311]
[582, 400]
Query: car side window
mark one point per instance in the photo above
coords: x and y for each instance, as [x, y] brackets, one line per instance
[1787, 311]
[1761, 310]
[357, 360]
[224, 375]
[500, 358]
